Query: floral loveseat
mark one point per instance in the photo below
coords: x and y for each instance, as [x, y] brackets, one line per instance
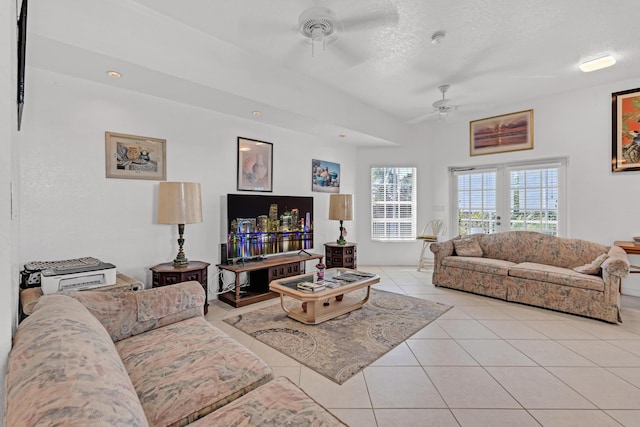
[142, 358]
[536, 269]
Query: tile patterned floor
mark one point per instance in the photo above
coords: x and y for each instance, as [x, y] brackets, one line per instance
[483, 363]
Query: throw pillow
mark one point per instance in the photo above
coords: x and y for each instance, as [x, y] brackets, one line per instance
[594, 268]
[467, 247]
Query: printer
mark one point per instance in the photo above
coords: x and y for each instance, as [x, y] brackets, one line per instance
[77, 277]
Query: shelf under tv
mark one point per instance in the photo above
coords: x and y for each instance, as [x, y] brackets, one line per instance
[261, 273]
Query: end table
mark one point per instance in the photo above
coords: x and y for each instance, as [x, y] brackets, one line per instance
[345, 256]
[167, 274]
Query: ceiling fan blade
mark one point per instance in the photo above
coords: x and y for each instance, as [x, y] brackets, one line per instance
[421, 118]
[382, 18]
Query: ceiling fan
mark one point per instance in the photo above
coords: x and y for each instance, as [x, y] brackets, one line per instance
[442, 106]
[321, 26]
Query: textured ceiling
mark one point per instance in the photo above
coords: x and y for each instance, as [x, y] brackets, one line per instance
[375, 80]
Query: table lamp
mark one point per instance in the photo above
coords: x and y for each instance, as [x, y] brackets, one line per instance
[341, 209]
[179, 203]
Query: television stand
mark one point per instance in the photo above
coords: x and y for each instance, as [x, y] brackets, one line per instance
[260, 274]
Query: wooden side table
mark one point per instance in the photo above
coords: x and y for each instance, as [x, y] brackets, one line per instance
[167, 274]
[631, 248]
[341, 255]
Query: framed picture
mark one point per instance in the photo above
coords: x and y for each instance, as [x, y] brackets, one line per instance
[499, 134]
[255, 165]
[625, 109]
[325, 176]
[135, 157]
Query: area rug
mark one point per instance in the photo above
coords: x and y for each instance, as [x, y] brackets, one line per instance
[340, 348]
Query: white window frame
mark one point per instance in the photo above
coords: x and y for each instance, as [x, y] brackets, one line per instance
[503, 191]
[411, 220]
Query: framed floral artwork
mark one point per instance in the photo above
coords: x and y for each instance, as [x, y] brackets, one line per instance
[625, 111]
[255, 165]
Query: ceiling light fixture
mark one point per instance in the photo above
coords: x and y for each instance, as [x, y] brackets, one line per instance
[598, 63]
[342, 135]
[256, 113]
[114, 74]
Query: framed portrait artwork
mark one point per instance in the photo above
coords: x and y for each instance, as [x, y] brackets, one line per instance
[255, 165]
[135, 157]
[499, 134]
[625, 150]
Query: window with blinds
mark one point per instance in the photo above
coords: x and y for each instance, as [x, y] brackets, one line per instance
[518, 196]
[393, 203]
[534, 199]
[477, 209]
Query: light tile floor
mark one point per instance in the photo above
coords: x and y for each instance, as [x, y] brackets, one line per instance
[483, 363]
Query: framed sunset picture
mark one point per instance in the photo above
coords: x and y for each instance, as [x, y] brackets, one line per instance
[499, 134]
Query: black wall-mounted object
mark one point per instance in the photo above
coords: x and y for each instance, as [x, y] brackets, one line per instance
[22, 54]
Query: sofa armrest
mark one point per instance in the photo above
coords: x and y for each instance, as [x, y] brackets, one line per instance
[617, 264]
[440, 251]
[614, 269]
[125, 314]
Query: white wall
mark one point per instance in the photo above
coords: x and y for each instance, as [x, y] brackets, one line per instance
[602, 206]
[70, 210]
[415, 153]
[8, 179]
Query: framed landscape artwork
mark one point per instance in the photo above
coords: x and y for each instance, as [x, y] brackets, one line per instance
[135, 157]
[625, 110]
[325, 176]
[255, 165]
[499, 134]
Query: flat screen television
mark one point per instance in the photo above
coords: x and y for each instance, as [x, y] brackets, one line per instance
[260, 225]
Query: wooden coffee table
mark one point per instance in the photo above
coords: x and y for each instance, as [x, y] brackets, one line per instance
[320, 306]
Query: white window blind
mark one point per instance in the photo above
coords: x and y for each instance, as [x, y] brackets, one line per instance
[534, 199]
[477, 209]
[393, 203]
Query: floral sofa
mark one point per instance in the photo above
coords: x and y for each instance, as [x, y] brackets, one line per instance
[569, 275]
[145, 358]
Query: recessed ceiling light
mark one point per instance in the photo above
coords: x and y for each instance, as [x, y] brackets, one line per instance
[342, 135]
[598, 63]
[115, 74]
[256, 113]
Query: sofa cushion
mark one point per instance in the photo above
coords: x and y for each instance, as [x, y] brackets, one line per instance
[278, 403]
[124, 314]
[557, 275]
[188, 369]
[65, 370]
[531, 246]
[467, 247]
[483, 265]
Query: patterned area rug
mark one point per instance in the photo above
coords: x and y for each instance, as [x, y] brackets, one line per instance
[342, 347]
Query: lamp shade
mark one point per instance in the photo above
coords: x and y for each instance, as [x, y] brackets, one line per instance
[179, 203]
[340, 207]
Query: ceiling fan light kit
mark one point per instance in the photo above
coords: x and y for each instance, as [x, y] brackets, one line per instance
[317, 24]
[443, 106]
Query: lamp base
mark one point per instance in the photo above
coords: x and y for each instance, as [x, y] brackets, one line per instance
[341, 240]
[181, 260]
[180, 263]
